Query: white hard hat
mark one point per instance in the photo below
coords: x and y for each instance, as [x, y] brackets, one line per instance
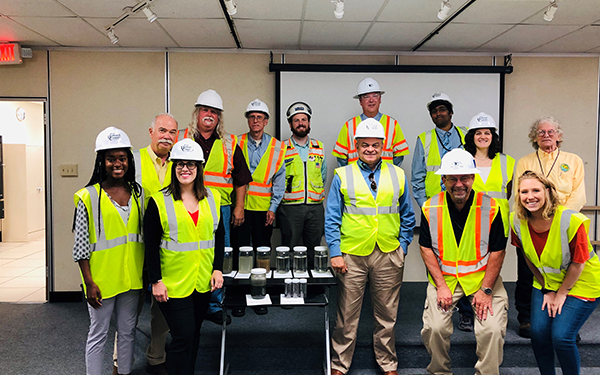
[210, 98]
[369, 128]
[440, 96]
[257, 106]
[187, 149]
[458, 161]
[483, 121]
[298, 107]
[366, 86]
[111, 138]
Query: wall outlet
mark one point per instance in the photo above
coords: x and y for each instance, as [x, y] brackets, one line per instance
[68, 170]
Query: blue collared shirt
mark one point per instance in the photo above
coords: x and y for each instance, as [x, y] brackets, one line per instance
[335, 210]
[303, 152]
[447, 140]
[255, 152]
[342, 162]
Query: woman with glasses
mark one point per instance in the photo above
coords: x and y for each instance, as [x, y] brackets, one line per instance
[566, 286]
[109, 248]
[184, 250]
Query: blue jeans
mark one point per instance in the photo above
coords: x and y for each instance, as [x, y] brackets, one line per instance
[217, 296]
[550, 335]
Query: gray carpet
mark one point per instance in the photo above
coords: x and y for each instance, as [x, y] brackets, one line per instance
[50, 339]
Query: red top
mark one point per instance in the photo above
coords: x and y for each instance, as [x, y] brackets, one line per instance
[194, 216]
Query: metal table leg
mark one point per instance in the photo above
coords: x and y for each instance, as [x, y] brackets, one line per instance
[327, 342]
[222, 368]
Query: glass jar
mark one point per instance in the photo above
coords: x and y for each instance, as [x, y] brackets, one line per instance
[282, 259]
[321, 259]
[289, 291]
[303, 287]
[300, 260]
[295, 288]
[228, 260]
[263, 258]
[246, 259]
[258, 283]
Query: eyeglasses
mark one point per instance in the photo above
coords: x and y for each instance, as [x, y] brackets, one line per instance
[256, 117]
[550, 133]
[464, 179]
[373, 183]
[374, 95]
[191, 165]
[438, 110]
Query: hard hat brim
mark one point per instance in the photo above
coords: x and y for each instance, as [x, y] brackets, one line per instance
[357, 96]
[113, 147]
[442, 172]
[263, 112]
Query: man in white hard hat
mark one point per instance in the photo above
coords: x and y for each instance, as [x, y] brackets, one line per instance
[265, 158]
[395, 146]
[463, 243]
[369, 224]
[225, 170]
[301, 214]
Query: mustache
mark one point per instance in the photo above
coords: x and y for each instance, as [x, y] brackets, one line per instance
[168, 141]
[207, 118]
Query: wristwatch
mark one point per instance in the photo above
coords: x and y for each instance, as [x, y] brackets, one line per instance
[487, 291]
[546, 291]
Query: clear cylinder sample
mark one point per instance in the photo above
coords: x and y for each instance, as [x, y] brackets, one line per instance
[263, 258]
[282, 260]
[228, 260]
[295, 288]
[258, 283]
[246, 260]
[303, 287]
[289, 290]
[300, 259]
[321, 259]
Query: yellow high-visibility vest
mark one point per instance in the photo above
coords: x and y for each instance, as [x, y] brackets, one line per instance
[258, 197]
[556, 256]
[433, 160]
[146, 176]
[367, 221]
[187, 250]
[500, 176]
[463, 263]
[304, 183]
[345, 146]
[117, 251]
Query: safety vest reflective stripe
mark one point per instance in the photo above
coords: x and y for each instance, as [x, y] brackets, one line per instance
[371, 210]
[137, 161]
[146, 176]
[181, 134]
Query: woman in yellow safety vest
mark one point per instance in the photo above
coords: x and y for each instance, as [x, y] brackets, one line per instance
[109, 248]
[566, 286]
[184, 239]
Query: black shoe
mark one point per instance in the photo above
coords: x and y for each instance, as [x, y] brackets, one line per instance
[217, 318]
[525, 330]
[260, 310]
[160, 369]
[238, 312]
[465, 323]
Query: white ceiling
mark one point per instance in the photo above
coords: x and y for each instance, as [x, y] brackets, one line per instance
[514, 26]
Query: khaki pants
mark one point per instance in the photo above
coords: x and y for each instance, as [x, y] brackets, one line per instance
[384, 273]
[490, 333]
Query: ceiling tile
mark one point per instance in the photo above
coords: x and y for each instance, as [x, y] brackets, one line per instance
[463, 37]
[523, 38]
[46, 8]
[67, 31]
[188, 9]
[11, 31]
[199, 34]
[500, 11]
[92, 8]
[571, 12]
[329, 35]
[268, 34]
[582, 40]
[269, 10]
[412, 11]
[136, 33]
[322, 10]
[396, 36]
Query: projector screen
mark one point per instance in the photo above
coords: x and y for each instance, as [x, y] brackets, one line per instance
[406, 94]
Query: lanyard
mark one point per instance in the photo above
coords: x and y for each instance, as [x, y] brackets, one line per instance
[552, 167]
[442, 142]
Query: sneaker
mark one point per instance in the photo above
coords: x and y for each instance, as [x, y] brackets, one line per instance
[465, 323]
[525, 330]
[217, 318]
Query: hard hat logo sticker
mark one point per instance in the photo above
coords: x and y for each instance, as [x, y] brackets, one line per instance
[456, 165]
[482, 119]
[186, 148]
[114, 137]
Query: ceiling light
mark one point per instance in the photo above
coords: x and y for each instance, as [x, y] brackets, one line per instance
[549, 13]
[151, 16]
[111, 35]
[445, 9]
[231, 7]
[339, 9]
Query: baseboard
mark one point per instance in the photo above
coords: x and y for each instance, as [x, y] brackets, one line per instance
[66, 297]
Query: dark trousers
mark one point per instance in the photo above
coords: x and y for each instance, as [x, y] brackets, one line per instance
[184, 317]
[523, 289]
[253, 232]
[302, 222]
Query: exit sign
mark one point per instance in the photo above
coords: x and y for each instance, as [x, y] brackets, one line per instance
[10, 53]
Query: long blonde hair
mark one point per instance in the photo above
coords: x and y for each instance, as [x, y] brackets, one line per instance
[549, 192]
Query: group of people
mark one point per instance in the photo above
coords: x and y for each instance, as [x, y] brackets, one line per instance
[162, 216]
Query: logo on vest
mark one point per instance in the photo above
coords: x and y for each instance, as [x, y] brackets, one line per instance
[564, 167]
[114, 137]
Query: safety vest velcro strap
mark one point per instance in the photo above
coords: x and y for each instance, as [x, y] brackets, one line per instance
[371, 211]
[497, 194]
[432, 168]
[134, 237]
[108, 244]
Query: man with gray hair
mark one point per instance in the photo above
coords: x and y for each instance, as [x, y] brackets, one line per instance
[565, 170]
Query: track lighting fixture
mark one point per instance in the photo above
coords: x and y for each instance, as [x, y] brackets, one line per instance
[149, 14]
[445, 9]
[339, 9]
[549, 13]
[110, 33]
[231, 7]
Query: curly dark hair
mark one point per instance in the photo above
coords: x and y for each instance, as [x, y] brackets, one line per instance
[494, 145]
